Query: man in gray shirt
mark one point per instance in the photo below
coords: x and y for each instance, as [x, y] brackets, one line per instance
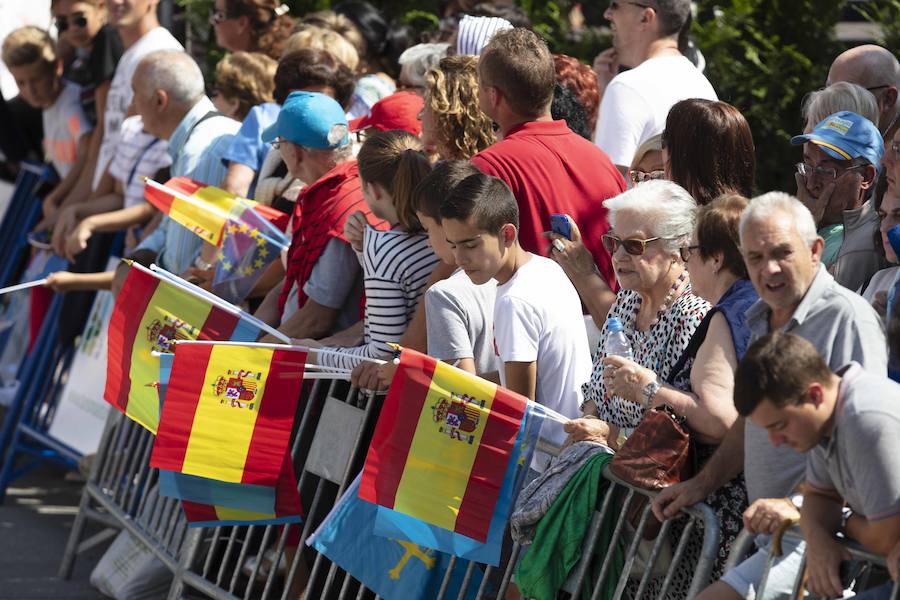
[847, 422]
[797, 295]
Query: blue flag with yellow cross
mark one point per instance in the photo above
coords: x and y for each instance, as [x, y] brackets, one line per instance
[390, 567]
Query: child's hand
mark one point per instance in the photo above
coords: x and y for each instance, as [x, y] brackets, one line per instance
[355, 229]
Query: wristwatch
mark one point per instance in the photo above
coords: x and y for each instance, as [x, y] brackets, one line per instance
[649, 391]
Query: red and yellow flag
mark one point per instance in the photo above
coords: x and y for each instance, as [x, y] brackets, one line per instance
[287, 506]
[204, 209]
[442, 445]
[150, 314]
[228, 412]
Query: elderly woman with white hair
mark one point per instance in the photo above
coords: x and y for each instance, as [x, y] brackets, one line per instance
[684, 291]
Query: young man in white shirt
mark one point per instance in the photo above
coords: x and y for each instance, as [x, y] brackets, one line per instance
[635, 103]
[539, 333]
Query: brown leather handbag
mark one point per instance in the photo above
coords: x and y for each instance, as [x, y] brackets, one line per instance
[656, 455]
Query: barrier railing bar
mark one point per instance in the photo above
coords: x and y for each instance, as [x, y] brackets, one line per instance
[632, 551]
[712, 537]
[596, 525]
[654, 555]
[608, 559]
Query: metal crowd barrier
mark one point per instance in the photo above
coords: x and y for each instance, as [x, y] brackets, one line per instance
[861, 567]
[22, 214]
[332, 435]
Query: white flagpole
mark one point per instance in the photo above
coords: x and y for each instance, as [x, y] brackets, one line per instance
[22, 286]
[198, 292]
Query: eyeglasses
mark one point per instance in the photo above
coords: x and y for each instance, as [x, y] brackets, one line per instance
[277, 143]
[687, 251]
[62, 23]
[878, 87]
[638, 176]
[632, 246]
[219, 16]
[825, 173]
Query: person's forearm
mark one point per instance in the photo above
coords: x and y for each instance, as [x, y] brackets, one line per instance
[595, 295]
[727, 461]
[709, 427]
[116, 220]
[99, 205]
[820, 517]
[872, 536]
[416, 335]
[306, 323]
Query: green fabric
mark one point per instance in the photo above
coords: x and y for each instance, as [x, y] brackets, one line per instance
[834, 239]
[559, 536]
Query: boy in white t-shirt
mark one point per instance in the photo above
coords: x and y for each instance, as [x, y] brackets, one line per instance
[539, 333]
[459, 315]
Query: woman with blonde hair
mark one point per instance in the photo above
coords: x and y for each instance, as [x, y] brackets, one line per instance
[320, 38]
[453, 127]
[243, 80]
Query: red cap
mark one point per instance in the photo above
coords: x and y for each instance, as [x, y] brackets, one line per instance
[397, 111]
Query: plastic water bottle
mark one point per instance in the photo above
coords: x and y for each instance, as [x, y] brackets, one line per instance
[617, 344]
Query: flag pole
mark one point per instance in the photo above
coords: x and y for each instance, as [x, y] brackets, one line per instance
[225, 305]
[198, 292]
[22, 286]
[285, 347]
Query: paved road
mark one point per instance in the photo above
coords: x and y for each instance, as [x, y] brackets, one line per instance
[35, 522]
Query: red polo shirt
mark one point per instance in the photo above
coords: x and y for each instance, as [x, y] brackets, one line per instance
[552, 170]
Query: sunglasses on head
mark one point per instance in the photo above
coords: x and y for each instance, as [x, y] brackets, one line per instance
[632, 246]
[62, 23]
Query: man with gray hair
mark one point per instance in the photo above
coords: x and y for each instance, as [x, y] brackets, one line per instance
[876, 69]
[782, 252]
[169, 96]
[634, 104]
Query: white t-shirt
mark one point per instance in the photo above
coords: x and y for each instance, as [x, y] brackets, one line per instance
[64, 124]
[636, 103]
[537, 317]
[138, 155]
[120, 93]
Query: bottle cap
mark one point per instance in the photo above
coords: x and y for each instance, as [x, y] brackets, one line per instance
[614, 325]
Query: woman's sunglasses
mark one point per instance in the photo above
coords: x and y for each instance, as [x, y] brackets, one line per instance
[62, 23]
[634, 247]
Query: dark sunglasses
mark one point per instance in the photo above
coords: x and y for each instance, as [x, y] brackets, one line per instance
[634, 247]
[62, 23]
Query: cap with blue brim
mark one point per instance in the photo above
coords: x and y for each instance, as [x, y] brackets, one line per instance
[311, 120]
[846, 135]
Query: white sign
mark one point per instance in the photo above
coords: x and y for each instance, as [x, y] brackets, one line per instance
[81, 411]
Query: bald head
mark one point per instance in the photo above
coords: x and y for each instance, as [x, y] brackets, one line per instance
[874, 68]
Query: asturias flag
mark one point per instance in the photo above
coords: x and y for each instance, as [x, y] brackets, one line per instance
[393, 569]
[287, 506]
[204, 209]
[228, 412]
[442, 446]
[150, 314]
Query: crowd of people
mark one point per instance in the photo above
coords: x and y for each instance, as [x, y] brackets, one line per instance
[422, 180]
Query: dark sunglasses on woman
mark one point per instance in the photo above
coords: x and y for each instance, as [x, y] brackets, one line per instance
[62, 23]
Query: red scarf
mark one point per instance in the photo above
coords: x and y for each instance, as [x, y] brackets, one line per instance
[319, 215]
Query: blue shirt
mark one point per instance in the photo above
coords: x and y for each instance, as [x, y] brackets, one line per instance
[247, 147]
[200, 158]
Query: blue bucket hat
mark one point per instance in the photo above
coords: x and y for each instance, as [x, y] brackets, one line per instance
[311, 120]
[844, 136]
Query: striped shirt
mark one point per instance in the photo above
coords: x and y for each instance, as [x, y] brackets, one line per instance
[138, 155]
[396, 266]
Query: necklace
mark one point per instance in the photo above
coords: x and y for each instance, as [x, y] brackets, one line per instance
[669, 299]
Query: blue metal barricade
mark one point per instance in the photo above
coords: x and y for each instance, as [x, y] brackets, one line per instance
[22, 214]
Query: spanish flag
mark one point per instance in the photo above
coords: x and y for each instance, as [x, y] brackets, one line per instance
[228, 412]
[287, 506]
[442, 446]
[151, 314]
[205, 209]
